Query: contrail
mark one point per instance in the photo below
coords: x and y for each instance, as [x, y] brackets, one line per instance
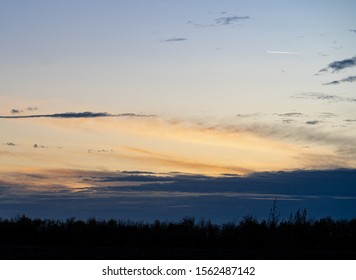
[280, 52]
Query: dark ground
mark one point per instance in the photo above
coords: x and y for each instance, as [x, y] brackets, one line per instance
[155, 253]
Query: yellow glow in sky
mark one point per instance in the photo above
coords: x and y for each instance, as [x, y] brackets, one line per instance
[154, 144]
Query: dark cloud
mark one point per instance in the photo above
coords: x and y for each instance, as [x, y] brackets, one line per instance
[133, 172]
[353, 30]
[169, 197]
[313, 122]
[339, 65]
[74, 115]
[230, 19]
[349, 79]
[175, 39]
[39, 146]
[332, 83]
[16, 111]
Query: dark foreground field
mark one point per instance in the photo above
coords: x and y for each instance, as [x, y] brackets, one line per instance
[296, 238]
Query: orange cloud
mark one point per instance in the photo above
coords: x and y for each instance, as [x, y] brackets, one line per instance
[195, 146]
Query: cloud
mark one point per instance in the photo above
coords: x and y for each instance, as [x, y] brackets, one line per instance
[183, 163]
[75, 115]
[292, 114]
[353, 30]
[288, 117]
[31, 108]
[282, 137]
[230, 19]
[175, 39]
[288, 121]
[349, 120]
[256, 183]
[323, 96]
[10, 144]
[173, 196]
[90, 151]
[313, 122]
[16, 111]
[304, 135]
[200, 25]
[39, 146]
[225, 146]
[327, 115]
[349, 79]
[226, 20]
[339, 65]
[247, 115]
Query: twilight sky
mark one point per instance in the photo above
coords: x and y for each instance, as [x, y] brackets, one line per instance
[195, 87]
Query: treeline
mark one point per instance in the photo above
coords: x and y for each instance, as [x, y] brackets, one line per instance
[281, 238]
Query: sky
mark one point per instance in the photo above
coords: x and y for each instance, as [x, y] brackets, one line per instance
[165, 88]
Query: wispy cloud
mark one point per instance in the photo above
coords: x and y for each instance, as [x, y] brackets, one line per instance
[200, 25]
[221, 21]
[323, 96]
[289, 117]
[225, 146]
[288, 121]
[176, 39]
[291, 114]
[78, 115]
[349, 79]
[90, 151]
[327, 115]
[339, 65]
[10, 144]
[324, 141]
[353, 30]
[19, 111]
[247, 115]
[230, 19]
[183, 163]
[31, 108]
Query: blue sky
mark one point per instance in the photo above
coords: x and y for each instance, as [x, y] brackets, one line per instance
[194, 87]
[115, 52]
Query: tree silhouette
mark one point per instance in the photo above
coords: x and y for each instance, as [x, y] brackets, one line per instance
[296, 238]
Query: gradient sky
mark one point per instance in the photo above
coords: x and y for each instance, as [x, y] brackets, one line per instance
[198, 87]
